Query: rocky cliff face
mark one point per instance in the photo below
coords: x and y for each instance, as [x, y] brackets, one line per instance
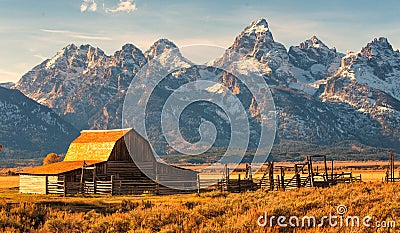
[312, 62]
[257, 44]
[369, 82]
[30, 130]
[82, 83]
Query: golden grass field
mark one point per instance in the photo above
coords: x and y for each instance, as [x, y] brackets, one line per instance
[210, 212]
[9, 182]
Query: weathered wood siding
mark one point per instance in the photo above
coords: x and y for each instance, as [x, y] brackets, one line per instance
[32, 184]
[175, 177]
[167, 172]
[120, 152]
[52, 178]
[139, 147]
[120, 163]
[141, 152]
[126, 170]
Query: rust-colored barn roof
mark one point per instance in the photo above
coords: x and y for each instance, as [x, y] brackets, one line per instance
[58, 168]
[94, 144]
[90, 136]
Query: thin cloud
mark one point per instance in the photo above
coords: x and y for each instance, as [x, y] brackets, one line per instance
[40, 57]
[76, 35]
[88, 5]
[7, 73]
[9, 76]
[86, 37]
[123, 6]
[55, 31]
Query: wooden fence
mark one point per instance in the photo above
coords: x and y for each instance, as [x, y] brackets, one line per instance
[237, 185]
[304, 176]
[118, 187]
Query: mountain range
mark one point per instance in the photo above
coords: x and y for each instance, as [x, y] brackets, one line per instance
[323, 98]
[29, 129]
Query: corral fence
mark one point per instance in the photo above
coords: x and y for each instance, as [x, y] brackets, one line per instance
[118, 187]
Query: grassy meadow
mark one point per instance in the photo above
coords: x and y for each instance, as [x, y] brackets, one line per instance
[209, 212]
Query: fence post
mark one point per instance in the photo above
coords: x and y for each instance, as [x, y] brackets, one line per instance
[198, 184]
[392, 179]
[326, 169]
[94, 179]
[64, 186]
[251, 173]
[227, 179]
[157, 182]
[157, 185]
[283, 178]
[296, 170]
[112, 185]
[271, 176]
[279, 182]
[47, 185]
[239, 182]
[311, 171]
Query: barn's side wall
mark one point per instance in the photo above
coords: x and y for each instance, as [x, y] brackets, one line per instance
[120, 164]
[139, 146]
[167, 172]
[32, 184]
[142, 152]
[175, 177]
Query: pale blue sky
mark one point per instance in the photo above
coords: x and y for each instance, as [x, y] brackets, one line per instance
[31, 31]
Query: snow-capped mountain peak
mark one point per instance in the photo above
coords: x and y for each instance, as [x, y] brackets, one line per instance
[254, 37]
[159, 47]
[376, 66]
[313, 62]
[259, 27]
[313, 42]
[369, 82]
[72, 55]
[129, 57]
[256, 44]
[167, 53]
[378, 47]
[130, 47]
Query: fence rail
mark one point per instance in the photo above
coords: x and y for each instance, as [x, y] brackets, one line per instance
[119, 187]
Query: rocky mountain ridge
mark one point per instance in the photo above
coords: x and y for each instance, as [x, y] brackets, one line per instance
[30, 130]
[322, 96]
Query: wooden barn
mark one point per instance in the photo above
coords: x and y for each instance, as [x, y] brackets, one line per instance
[99, 162]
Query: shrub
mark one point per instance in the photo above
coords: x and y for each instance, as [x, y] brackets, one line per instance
[66, 222]
[51, 158]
